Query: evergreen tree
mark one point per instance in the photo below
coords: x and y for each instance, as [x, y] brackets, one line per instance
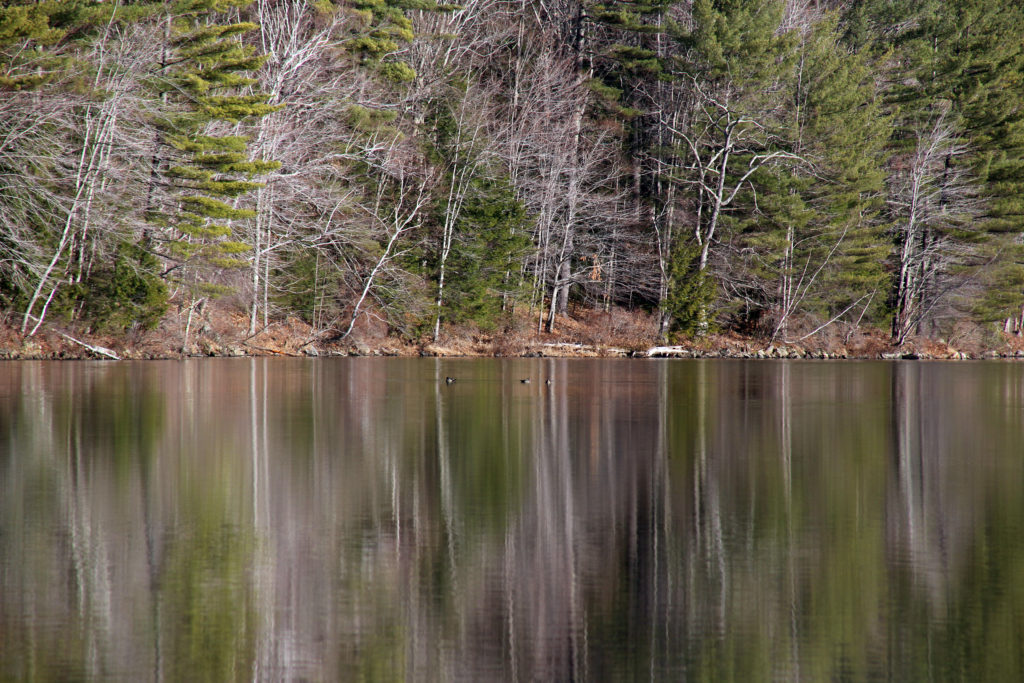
[952, 76]
[204, 160]
[28, 25]
[690, 292]
[648, 100]
[736, 61]
[984, 68]
[815, 242]
[457, 146]
[492, 233]
[126, 293]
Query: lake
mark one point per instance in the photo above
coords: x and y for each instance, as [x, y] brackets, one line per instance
[362, 519]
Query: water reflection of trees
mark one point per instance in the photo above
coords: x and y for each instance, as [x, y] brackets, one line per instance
[361, 519]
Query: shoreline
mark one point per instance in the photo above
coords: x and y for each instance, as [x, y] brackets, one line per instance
[586, 334]
[33, 350]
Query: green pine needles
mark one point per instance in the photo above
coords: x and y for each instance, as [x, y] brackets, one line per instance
[205, 161]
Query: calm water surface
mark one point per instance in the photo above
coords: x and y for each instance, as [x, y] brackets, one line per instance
[359, 519]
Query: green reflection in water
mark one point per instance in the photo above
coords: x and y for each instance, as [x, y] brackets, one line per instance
[207, 622]
[73, 434]
[362, 520]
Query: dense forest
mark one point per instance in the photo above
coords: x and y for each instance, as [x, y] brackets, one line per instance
[773, 167]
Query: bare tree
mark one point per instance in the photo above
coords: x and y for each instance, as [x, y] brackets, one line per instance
[397, 209]
[564, 174]
[729, 140]
[86, 136]
[299, 72]
[930, 194]
[465, 156]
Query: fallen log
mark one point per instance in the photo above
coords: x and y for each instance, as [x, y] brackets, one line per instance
[95, 349]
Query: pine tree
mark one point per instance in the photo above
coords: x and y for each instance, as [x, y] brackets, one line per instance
[28, 25]
[457, 143]
[736, 61]
[204, 158]
[643, 96]
[984, 67]
[814, 244]
[492, 234]
[953, 76]
[126, 293]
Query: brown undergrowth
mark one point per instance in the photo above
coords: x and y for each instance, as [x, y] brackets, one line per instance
[221, 330]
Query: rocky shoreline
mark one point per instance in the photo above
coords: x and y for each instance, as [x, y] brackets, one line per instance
[782, 352]
[33, 349]
[225, 335]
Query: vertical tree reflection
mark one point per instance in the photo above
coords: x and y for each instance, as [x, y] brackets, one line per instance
[358, 519]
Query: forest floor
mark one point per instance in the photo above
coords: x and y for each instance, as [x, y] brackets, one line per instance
[221, 331]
